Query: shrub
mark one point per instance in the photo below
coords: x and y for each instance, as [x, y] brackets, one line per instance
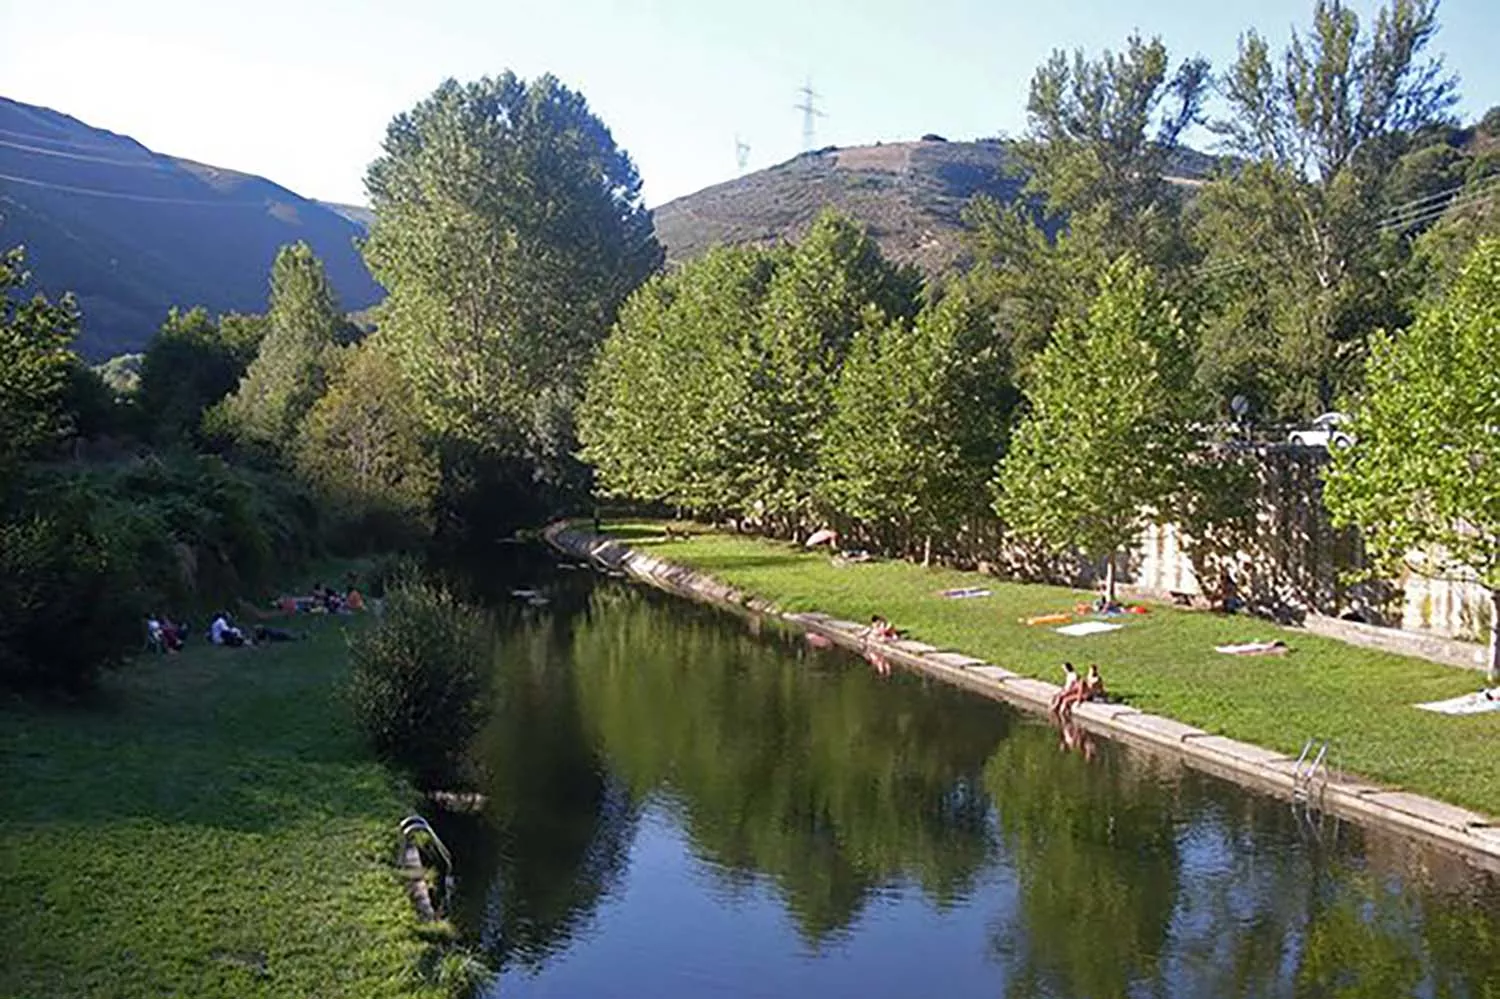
[387, 570]
[66, 607]
[86, 554]
[419, 677]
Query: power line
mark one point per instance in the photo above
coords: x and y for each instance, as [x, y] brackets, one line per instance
[741, 153]
[122, 196]
[133, 164]
[1414, 213]
[1441, 210]
[1470, 195]
[35, 137]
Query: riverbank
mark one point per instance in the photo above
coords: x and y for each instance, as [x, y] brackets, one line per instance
[1161, 663]
[211, 825]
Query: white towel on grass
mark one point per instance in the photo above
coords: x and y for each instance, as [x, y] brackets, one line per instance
[1088, 628]
[1468, 704]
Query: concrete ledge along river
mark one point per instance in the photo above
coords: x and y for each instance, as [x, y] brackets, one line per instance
[1470, 832]
[673, 800]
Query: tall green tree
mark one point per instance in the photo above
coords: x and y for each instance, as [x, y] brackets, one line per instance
[192, 362]
[290, 369]
[362, 448]
[1462, 210]
[1100, 453]
[1296, 267]
[659, 418]
[508, 230]
[36, 360]
[1101, 141]
[921, 411]
[1422, 480]
[834, 282]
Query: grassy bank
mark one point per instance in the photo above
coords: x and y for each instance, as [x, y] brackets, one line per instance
[1162, 662]
[211, 827]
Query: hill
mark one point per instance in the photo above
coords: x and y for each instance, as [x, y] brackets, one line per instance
[909, 194]
[133, 232]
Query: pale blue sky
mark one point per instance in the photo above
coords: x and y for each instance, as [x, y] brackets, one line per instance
[301, 92]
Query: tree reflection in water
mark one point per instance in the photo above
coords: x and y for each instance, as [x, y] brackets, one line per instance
[788, 764]
[1098, 871]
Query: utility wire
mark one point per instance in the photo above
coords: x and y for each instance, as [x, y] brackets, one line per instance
[1414, 213]
[132, 164]
[35, 137]
[151, 199]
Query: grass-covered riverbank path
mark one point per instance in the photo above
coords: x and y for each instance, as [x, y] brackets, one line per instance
[1161, 662]
[212, 826]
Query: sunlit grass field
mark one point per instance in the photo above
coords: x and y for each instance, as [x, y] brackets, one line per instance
[211, 826]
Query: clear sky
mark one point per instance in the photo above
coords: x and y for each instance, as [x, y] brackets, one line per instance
[300, 91]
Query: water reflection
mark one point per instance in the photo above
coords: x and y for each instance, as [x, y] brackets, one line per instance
[786, 763]
[680, 806]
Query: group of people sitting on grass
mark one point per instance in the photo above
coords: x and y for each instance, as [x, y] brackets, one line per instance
[1077, 689]
[325, 600]
[224, 631]
[162, 635]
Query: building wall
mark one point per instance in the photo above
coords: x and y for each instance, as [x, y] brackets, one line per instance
[1296, 562]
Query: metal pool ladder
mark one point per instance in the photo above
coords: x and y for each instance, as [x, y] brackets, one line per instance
[413, 826]
[1312, 764]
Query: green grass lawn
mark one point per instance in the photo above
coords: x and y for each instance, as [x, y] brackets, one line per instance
[211, 827]
[1162, 662]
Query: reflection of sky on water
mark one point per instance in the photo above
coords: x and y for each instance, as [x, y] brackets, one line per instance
[676, 929]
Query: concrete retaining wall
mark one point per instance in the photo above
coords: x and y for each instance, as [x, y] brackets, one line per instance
[1476, 836]
[1294, 558]
[1405, 643]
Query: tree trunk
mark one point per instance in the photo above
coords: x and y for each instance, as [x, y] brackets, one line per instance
[1494, 668]
[927, 551]
[1109, 579]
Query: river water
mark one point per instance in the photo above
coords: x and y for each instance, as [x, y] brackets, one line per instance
[686, 803]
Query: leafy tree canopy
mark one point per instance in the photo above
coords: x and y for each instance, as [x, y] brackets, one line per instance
[36, 364]
[1298, 271]
[1100, 140]
[362, 448]
[289, 372]
[191, 363]
[1100, 452]
[508, 230]
[1423, 476]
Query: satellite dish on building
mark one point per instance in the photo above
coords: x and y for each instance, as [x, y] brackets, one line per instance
[1240, 407]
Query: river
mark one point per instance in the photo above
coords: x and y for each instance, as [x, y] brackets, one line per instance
[686, 803]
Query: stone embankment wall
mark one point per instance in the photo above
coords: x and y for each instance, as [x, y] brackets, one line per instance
[1475, 836]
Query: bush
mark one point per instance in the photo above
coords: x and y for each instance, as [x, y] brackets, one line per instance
[66, 607]
[86, 554]
[201, 530]
[419, 678]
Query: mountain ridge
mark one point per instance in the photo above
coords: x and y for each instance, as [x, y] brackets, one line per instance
[133, 232]
[910, 195]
